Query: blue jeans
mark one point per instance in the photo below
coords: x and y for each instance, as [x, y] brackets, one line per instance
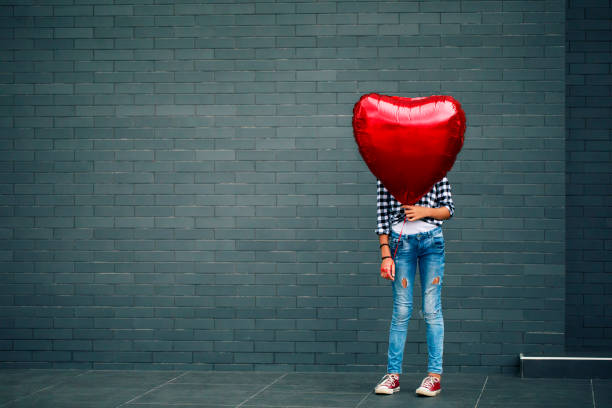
[428, 249]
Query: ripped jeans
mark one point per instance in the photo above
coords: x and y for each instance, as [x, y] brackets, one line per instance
[428, 249]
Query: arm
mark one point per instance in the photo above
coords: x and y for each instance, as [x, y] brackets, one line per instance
[387, 266]
[385, 250]
[415, 212]
[444, 198]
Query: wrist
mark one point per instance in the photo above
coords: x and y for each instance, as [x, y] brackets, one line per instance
[385, 249]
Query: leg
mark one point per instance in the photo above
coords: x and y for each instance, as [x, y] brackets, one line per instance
[405, 268]
[431, 268]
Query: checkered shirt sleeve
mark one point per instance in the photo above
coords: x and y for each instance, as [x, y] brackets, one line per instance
[389, 211]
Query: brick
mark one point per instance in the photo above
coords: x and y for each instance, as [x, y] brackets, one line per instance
[113, 10]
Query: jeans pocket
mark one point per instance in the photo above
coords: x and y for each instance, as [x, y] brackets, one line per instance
[438, 241]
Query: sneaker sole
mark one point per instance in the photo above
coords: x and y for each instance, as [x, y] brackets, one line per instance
[387, 391]
[427, 393]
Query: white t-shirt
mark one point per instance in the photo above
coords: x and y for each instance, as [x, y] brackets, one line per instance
[412, 227]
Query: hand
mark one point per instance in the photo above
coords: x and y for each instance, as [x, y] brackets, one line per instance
[415, 212]
[387, 269]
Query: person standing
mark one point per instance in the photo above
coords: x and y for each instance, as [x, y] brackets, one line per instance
[411, 234]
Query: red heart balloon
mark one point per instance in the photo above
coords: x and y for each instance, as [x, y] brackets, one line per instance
[409, 144]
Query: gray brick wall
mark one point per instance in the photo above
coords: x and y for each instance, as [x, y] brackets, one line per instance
[181, 187]
[589, 176]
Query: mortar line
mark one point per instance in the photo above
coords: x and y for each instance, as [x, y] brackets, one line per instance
[363, 399]
[261, 390]
[481, 391]
[178, 404]
[153, 389]
[593, 394]
[48, 387]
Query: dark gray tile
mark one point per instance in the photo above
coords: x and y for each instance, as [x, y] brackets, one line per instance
[79, 395]
[451, 380]
[126, 379]
[362, 382]
[458, 391]
[326, 382]
[35, 376]
[499, 381]
[20, 383]
[403, 399]
[42, 403]
[157, 405]
[458, 380]
[293, 398]
[602, 389]
[536, 392]
[214, 394]
[238, 377]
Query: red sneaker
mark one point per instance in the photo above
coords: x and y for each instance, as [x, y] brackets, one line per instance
[430, 387]
[389, 384]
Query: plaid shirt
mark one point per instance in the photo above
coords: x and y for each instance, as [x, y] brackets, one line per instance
[390, 210]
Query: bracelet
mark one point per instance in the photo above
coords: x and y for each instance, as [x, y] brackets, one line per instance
[384, 257]
[382, 245]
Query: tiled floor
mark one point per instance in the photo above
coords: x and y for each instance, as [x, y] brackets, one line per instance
[182, 389]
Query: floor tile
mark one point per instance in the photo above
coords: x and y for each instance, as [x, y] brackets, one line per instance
[29, 376]
[78, 396]
[326, 382]
[219, 394]
[360, 383]
[234, 377]
[192, 405]
[43, 403]
[124, 379]
[29, 403]
[537, 392]
[450, 380]
[602, 389]
[455, 396]
[293, 398]
[22, 382]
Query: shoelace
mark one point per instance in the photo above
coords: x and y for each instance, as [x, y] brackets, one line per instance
[429, 380]
[387, 380]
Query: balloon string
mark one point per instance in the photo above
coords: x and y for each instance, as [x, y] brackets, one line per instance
[400, 237]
